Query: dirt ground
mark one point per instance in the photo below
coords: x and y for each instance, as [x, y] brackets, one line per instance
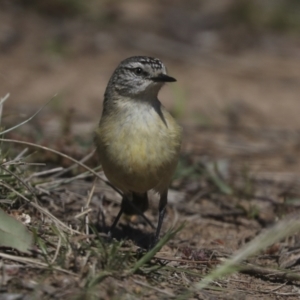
[239, 108]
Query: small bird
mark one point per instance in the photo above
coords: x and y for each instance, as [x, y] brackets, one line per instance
[138, 141]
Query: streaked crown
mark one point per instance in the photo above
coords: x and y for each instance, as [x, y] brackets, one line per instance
[138, 76]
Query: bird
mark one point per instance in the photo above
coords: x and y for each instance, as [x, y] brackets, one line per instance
[138, 141]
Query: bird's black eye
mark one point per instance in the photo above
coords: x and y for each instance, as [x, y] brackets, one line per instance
[138, 71]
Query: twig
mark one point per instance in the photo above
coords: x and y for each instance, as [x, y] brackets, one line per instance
[90, 195]
[20, 155]
[154, 288]
[34, 262]
[206, 262]
[83, 160]
[87, 206]
[42, 173]
[57, 250]
[54, 183]
[278, 288]
[84, 212]
[269, 273]
[15, 162]
[2, 100]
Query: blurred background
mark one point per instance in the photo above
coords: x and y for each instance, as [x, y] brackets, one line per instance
[237, 62]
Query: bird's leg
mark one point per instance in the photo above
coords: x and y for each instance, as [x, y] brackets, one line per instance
[138, 205]
[123, 204]
[127, 201]
[162, 210]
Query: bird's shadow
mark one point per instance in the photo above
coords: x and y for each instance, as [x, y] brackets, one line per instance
[140, 238]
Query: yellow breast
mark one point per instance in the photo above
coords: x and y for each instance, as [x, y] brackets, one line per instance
[138, 147]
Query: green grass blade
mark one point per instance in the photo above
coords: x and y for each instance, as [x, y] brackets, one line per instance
[276, 233]
[150, 254]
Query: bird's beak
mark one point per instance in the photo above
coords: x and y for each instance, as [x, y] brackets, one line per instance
[163, 78]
